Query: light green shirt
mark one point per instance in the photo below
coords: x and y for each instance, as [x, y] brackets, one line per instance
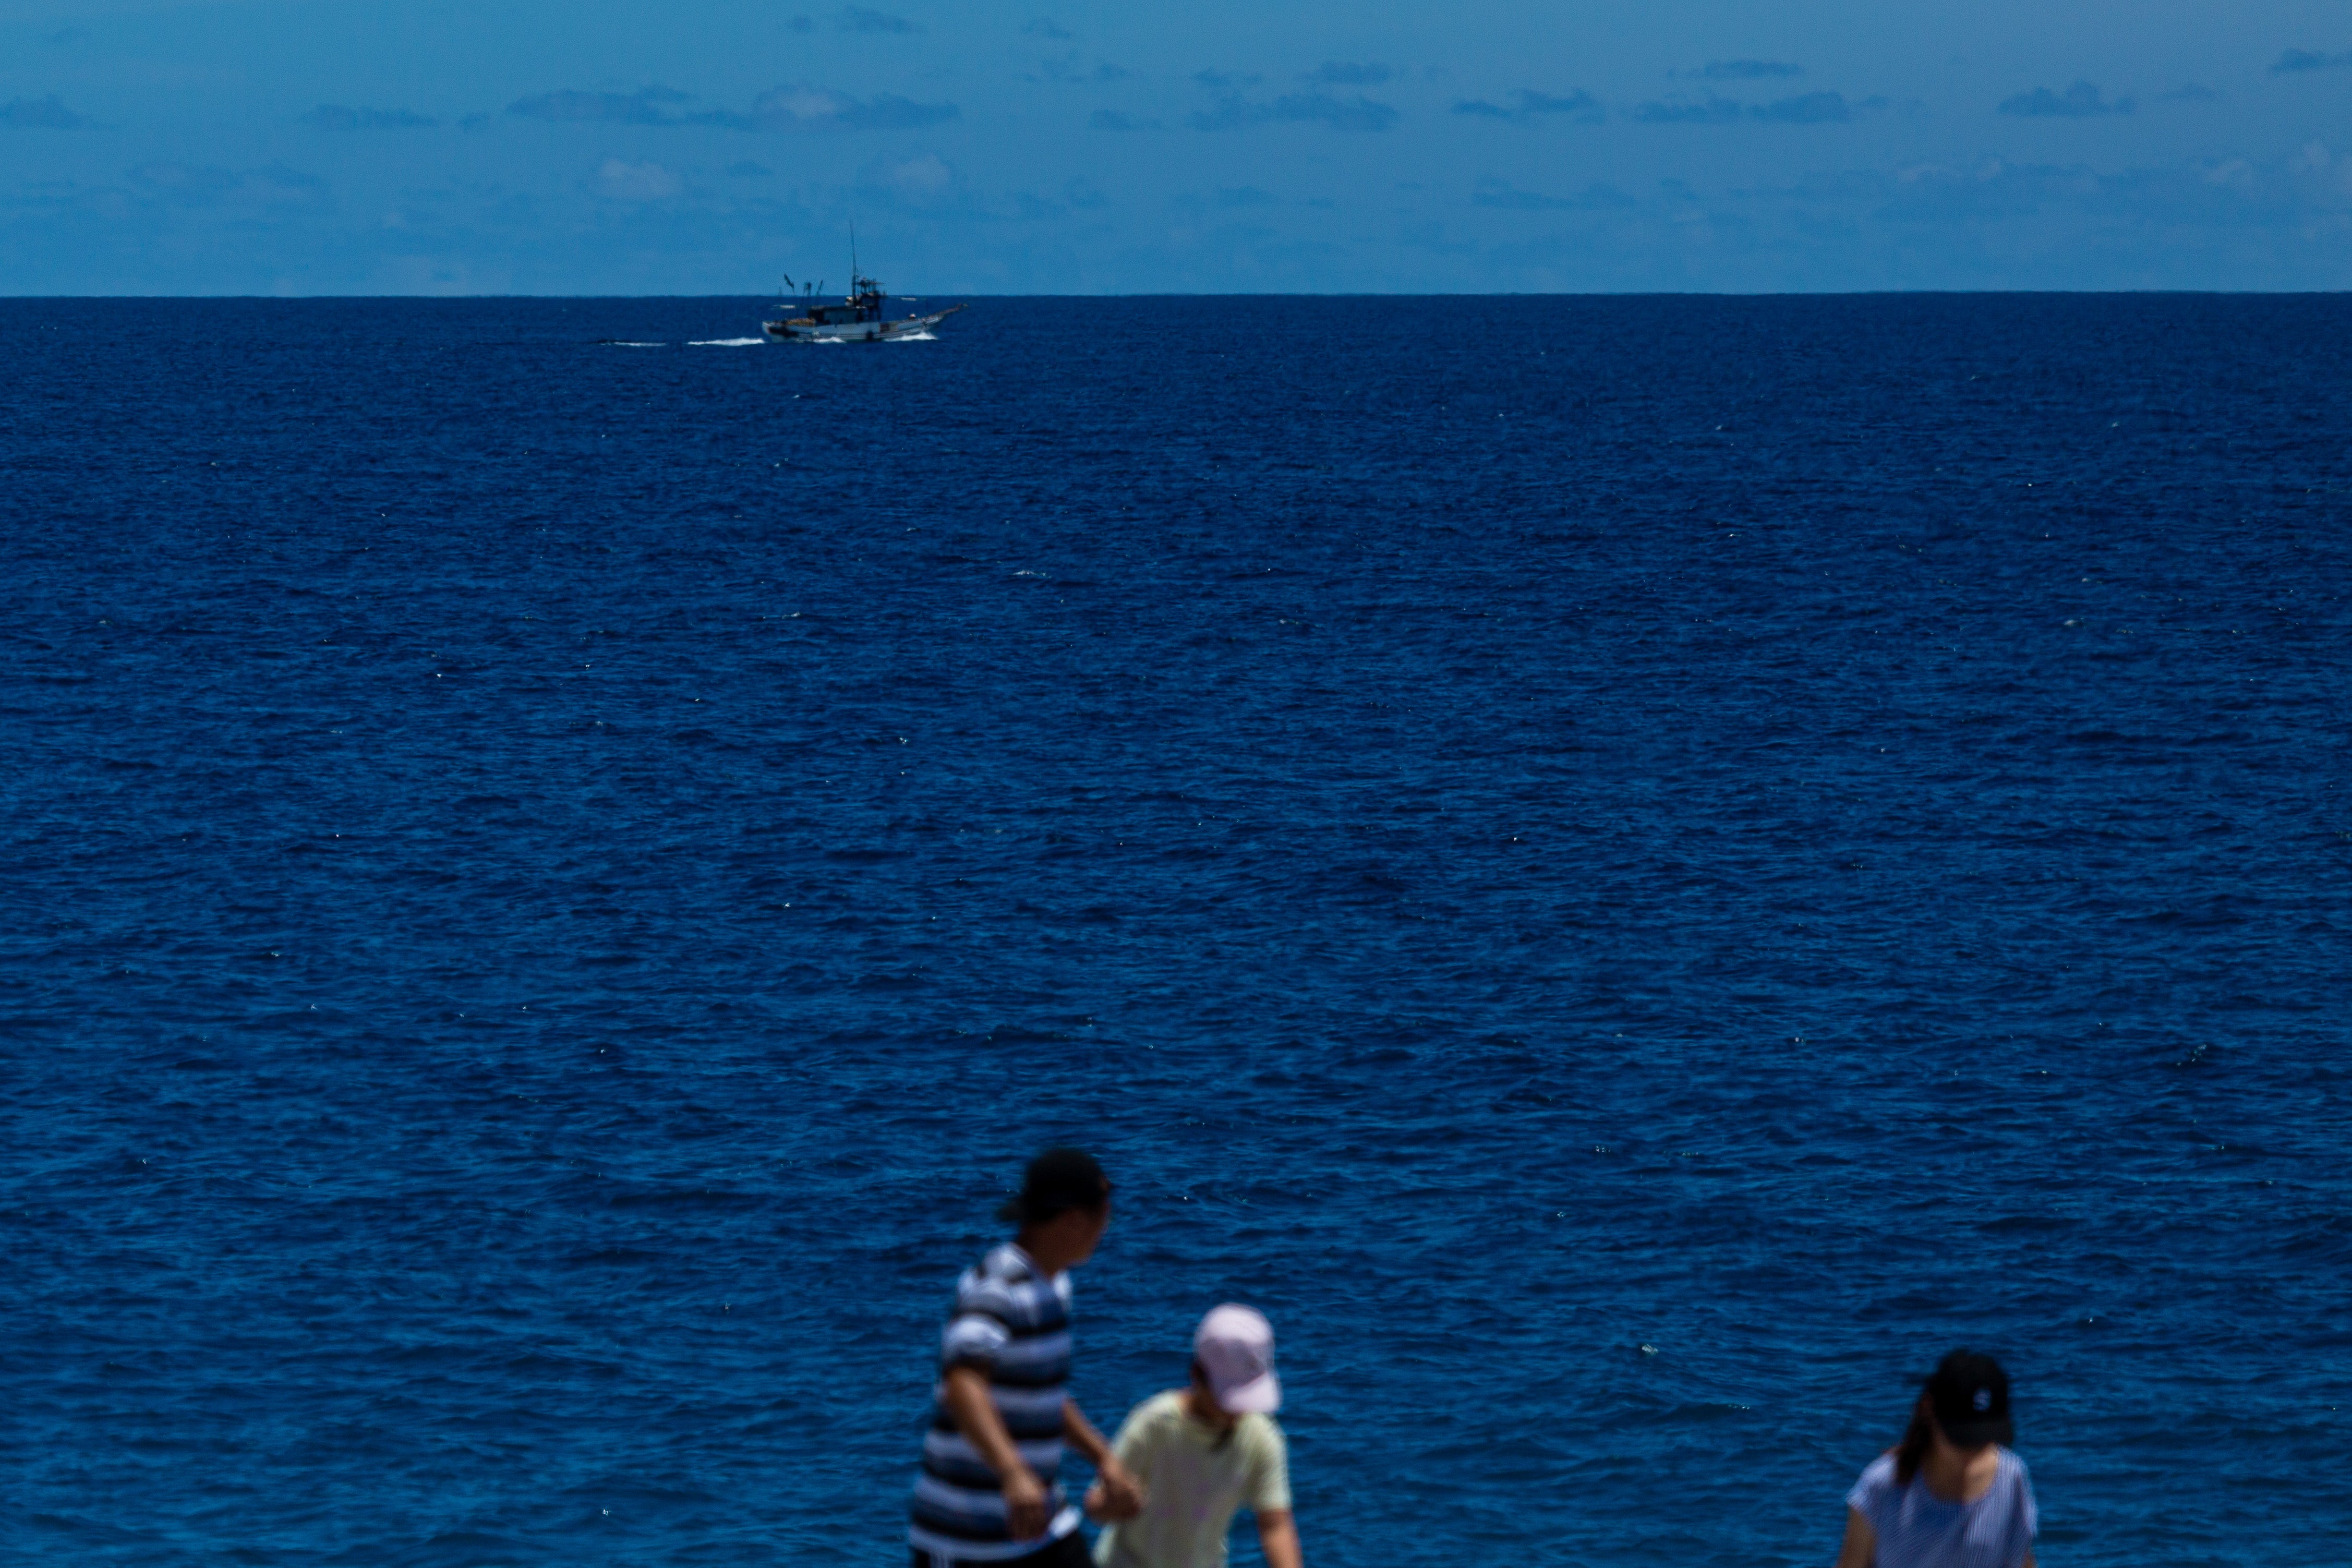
[1194, 1483]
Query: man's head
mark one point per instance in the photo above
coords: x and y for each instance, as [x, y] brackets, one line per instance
[1063, 1209]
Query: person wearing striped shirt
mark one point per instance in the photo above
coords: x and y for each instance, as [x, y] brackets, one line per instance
[989, 1492]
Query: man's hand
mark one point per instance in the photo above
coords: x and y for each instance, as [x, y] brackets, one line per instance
[1115, 1494]
[975, 1411]
[1025, 1504]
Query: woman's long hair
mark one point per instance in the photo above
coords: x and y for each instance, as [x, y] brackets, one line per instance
[1917, 1438]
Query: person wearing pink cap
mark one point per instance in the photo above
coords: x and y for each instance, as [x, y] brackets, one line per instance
[1203, 1452]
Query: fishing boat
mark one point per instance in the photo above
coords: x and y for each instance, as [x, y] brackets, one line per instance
[861, 318]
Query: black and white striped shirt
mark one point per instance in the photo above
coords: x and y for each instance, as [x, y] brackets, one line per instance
[1013, 1324]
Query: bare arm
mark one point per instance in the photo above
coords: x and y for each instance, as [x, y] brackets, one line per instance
[976, 1418]
[1277, 1537]
[1080, 1434]
[1116, 1495]
[1860, 1543]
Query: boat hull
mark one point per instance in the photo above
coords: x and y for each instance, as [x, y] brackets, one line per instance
[854, 332]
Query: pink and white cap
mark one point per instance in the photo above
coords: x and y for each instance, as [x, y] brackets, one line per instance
[1234, 1346]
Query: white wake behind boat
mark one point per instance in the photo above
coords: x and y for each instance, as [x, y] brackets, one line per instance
[859, 319]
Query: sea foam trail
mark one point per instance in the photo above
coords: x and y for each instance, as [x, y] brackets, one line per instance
[725, 342]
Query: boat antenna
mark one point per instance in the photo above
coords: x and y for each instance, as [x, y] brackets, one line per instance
[853, 254]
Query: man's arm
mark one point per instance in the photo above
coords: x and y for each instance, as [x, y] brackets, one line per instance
[976, 1418]
[1277, 1537]
[1116, 1495]
[1861, 1541]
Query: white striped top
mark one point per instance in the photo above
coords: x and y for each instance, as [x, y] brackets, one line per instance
[1013, 1324]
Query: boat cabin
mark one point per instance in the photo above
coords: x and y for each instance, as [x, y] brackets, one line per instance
[864, 304]
[844, 315]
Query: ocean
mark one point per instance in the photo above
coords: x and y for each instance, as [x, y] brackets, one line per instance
[1630, 870]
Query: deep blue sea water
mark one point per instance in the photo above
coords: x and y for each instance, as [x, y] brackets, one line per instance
[1632, 871]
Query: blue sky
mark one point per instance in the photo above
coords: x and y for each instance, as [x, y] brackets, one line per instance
[703, 146]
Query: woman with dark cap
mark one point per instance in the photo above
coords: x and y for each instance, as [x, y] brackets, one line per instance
[1950, 1495]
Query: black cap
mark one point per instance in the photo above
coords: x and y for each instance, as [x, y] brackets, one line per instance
[1056, 1182]
[1969, 1394]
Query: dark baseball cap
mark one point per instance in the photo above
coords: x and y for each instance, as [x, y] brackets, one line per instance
[1969, 1394]
[1056, 1182]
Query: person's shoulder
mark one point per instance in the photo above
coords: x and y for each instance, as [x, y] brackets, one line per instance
[1878, 1479]
[1001, 1273]
[1262, 1435]
[977, 1281]
[1152, 1420]
[1005, 1264]
[1161, 1409]
[1009, 1273]
[2025, 1515]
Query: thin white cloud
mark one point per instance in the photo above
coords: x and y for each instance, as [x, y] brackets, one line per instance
[1494, 193]
[800, 107]
[1710, 110]
[271, 188]
[1804, 108]
[864, 19]
[793, 107]
[645, 181]
[39, 114]
[335, 117]
[1747, 70]
[2080, 101]
[1234, 113]
[1579, 106]
[2295, 60]
[646, 106]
